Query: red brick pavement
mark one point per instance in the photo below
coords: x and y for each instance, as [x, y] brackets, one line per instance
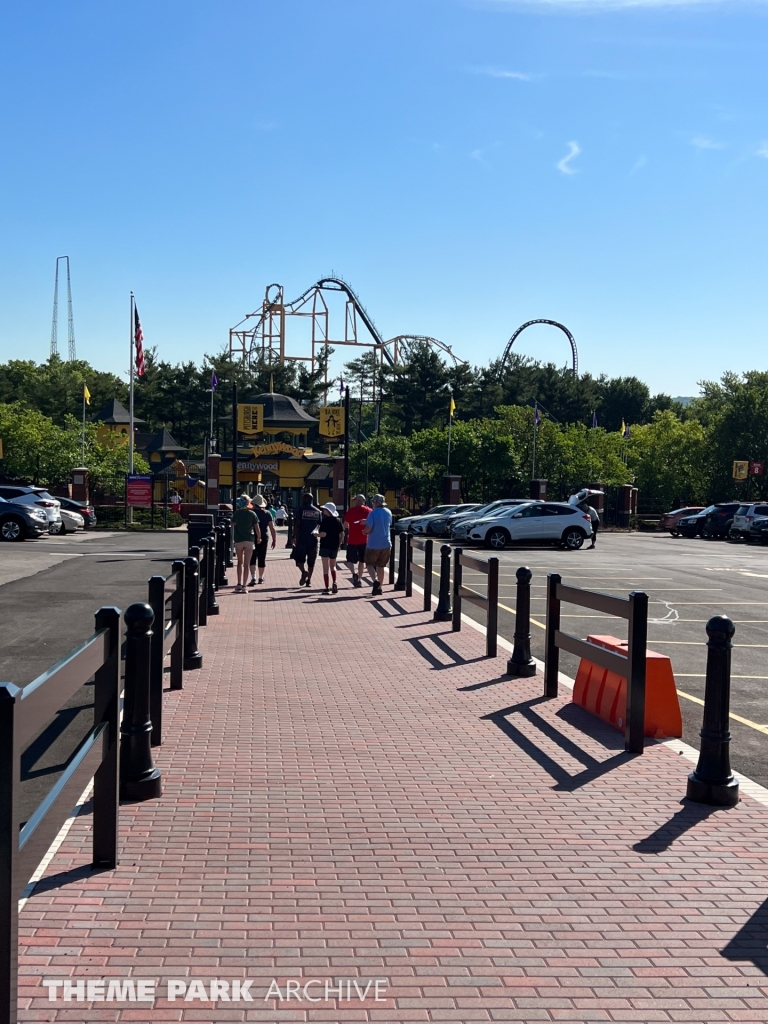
[353, 792]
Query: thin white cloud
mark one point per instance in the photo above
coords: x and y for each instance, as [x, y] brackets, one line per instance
[639, 164]
[763, 151]
[521, 76]
[564, 165]
[704, 142]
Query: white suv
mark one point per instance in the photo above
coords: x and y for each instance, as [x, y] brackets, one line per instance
[37, 496]
[743, 518]
[539, 521]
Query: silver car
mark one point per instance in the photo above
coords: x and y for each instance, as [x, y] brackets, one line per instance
[461, 529]
[37, 496]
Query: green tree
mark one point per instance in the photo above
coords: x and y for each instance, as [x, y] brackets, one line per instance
[669, 460]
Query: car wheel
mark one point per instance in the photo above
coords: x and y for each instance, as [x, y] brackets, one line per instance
[497, 539]
[573, 538]
[674, 533]
[12, 529]
[734, 535]
[705, 533]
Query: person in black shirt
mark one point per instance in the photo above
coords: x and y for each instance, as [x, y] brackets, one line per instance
[306, 523]
[331, 532]
[259, 556]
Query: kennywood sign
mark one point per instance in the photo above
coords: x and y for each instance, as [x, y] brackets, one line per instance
[276, 448]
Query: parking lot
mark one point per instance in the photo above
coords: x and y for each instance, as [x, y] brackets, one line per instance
[687, 582]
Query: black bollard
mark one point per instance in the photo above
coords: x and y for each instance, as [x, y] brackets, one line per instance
[221, 554]
[139, 779]
[177, 613]
[402, 568]
[213, 606]
[392, 541]
[192, 656]
[521, 663]
[443, 611]
[713, 781]
[289, 536]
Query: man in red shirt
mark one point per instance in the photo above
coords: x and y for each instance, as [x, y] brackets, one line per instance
[354, 519]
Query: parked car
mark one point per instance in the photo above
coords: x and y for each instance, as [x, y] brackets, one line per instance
[758, 531]
[690, 526]
[406, 522]
[547, 522]
[440, 526]
[35, 496]
[21, 522]
[462, 525]
[71, 522]
[745, 516]
[81, 507]
[719, 520]
[670, 520]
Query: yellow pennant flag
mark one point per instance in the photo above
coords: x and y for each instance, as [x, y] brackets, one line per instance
[86, 394]
[623, 428]
[452, 407]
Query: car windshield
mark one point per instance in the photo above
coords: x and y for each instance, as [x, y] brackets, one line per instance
[437, 509]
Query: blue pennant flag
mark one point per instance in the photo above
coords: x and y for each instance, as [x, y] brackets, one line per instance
[214, 380]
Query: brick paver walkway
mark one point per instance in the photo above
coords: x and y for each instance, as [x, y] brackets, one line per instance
[353, 793]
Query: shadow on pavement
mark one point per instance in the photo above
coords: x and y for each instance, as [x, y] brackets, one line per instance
[751, 940]
[689, 815]
[456, 660]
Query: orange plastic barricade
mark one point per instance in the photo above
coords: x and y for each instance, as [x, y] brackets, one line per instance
[604, 693]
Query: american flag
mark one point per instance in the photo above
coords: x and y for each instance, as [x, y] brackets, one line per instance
[139, 338]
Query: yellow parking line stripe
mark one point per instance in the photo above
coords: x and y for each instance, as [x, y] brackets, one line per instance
[736, 718]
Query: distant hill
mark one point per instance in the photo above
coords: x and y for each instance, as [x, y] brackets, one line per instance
[683, 401]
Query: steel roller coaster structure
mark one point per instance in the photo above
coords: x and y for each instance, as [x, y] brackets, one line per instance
[260, 337]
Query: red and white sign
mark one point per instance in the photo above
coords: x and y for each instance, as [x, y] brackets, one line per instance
[138, 490]
[755, 469]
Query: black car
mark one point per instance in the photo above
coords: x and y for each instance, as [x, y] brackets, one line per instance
[719, 519]
[21, 522]
[85, 510]
[690, 526]
[758, 531]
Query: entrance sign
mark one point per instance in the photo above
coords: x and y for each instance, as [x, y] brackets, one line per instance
[755, 469]
[740, 469]
[275, 448]
[250, 419]
[138, 490]
[331, 421]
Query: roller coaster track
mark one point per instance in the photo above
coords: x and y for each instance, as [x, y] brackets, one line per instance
[552, 323]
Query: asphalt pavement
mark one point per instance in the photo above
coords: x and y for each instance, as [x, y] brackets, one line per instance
[49, 591]
[687, 581]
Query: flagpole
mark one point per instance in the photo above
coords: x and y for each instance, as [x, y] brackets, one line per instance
[535, 430]
[82, 463]
[210, 434]
[450, 431]
[130, 405]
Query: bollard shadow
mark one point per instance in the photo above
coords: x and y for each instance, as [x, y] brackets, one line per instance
[456, 659]
[689, 815]
[751, 940]
[594, 768]
[62, 878]
[393, 602]
[482, 686]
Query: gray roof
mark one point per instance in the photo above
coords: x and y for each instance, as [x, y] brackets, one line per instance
[280, 411]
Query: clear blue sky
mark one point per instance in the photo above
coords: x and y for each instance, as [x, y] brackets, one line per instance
[466, 165]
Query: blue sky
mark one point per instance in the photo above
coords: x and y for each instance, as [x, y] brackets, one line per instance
[466, 164]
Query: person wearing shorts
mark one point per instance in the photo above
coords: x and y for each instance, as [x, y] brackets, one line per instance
[331, 533]
[266, 526]
[246, 536]
[379, 544]
[354, 518]
[306, 526]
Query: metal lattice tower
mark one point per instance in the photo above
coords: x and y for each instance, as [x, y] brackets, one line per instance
[71, 353]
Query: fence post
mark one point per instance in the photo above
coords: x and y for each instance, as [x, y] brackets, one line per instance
[199, 553]
[521, 663]
[443, 610]
[289, 537]
[393, 541]
[713, 781]
[492, 618]
[408, 565]
[106, 781]
[228, 547]
[634, 726]
[221, 554]
[10, 772]
[213, 606]
[139, 779]
[192, 657]
[402, 569]
[457, 580]
[177, 613]
[428, 574]
[156, 600]
[551, 650]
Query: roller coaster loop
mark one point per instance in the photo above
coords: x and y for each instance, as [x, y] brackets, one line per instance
[552, 323]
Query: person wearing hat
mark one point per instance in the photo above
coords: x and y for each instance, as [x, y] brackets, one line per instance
[246, 535]
[331, 532]
[259, 556]
[354, 519]
[378, 545]
[306, 526]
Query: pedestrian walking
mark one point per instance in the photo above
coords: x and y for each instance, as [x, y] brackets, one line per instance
[331, 533]
[247, 536]
[280, 514]
[595, 518]
[266, 526]
[306, 527]
[354, 519]
[378, 544]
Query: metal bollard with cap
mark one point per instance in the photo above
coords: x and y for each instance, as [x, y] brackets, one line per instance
[213, 605]
[521, 663]
[402, 565]
[192, 656]
[713, 781]
[139, 778]
[443, 612]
